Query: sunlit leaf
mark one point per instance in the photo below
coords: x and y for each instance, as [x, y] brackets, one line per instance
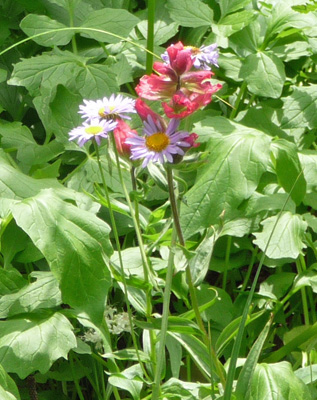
[26, 344]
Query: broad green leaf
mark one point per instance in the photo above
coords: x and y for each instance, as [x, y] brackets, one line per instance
[26, 344]
[308, 159]
[231, 64]
[61, 115]
[8, 388]
[130, 380]
[277, 285]
[118, 22]
[191, 13]
[307, 374]
[307, 278]
[96, 81]
[34, 24]
[299, 108]
[276, 382]
[288, 169]
[13, 241]
[199, 264]
[43, 293]
[75, 243]
[286, 241]
[3, 75]
[264, 73]
[47, 70]
[10, 281]
[234, 168]
[246, 374]
[16, 135]
[175, 355]
[229, 6]
[16, 185]
[233, 23]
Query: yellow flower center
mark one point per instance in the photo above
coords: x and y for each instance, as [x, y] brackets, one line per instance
[108, 116]
[157, 142]
[93, 130]
[195, 50]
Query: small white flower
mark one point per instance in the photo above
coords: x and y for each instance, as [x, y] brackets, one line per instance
[94, 129]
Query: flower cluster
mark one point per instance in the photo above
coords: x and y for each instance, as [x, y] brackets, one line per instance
[182, 89]
[182, 83]
[101, 117]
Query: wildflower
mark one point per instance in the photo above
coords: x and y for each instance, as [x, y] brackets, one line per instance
[202, 57]
[185, 90]
[93, 129]
[121, 133]
[191, 139]
[158, 144]
[144, 111]
[112, 108]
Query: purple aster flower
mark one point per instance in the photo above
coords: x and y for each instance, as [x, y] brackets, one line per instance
[203, 56]
[92, 129]
[113, 108]
[158, 144]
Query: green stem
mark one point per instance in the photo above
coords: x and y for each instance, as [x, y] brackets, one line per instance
[227, 258]
[248, 274]
[149, 276]
[189, 279]
[303, 294]
[234, 112]
[134, 187]
[150, 35]
[78, 388]
[166, 307]
[309, 291]
[147, 270]
[116, 236]
[71, 23]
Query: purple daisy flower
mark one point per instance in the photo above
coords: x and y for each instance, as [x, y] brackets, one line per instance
[92, 129]
[203, 56]
[113, 108]
[158, 144]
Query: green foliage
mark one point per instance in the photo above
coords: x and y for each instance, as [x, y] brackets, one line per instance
[87, 309]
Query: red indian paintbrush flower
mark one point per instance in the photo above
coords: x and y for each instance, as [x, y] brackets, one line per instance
[121, 133]
[186, 90]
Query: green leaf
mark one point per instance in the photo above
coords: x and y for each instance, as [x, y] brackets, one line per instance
[96, 81]
[44, 293]
[34, 24]
[277, 285]
[199, 264]
[233, 23]
[286, 241]
[47, 70]
[229, 6]
[307, 374]
[26, 344]
[16, 135]
[10, 281]
[191, 13]
[130, 380]
[233, 170]
[308, 159]
[276, 382]
[196, 349]
[76, 245]
[299, 108]
[264, 73]
[288, 169]
[119, 22]
[247, 372]
[8, 388]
